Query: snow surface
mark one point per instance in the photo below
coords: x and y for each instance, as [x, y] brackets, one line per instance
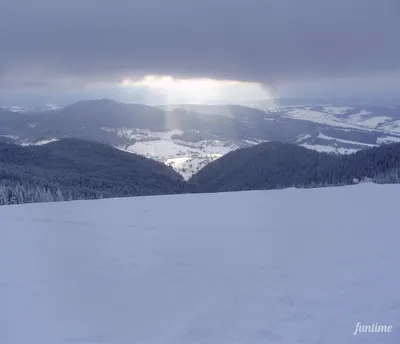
[286, 266]
[185, 157]
[326, 137]
[39, 143]
[302, 138]
[364, 120]
[337, 110]
[393, 127]
[24, 109]
[45, 142]
[387, 139]
[361, 119]
[10, 136]
[329, 149]
[321, 117]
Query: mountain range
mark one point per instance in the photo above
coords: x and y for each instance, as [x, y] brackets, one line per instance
[188, 137]
[71, 169]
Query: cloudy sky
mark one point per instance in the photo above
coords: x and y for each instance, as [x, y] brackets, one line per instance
[158, 49]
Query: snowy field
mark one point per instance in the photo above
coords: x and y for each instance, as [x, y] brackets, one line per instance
[334, 116]
[185, 157]
[287, 266]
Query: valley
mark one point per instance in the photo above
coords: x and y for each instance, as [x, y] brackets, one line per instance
[188, 137]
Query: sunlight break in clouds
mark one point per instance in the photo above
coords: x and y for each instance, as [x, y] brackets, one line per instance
[201, 90]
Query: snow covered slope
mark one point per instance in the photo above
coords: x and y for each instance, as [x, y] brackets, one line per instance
[24, 109]
[343, 129]
[342, 117]
[286, 266]
[185, 157]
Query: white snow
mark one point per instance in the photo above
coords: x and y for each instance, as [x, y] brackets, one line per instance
[337, 110]
[302, 138]
[18, 109]
[326, 137]
[140, 134]
[39, 143]
[253, 142]
[365, 112]
[185, 157]
[107, 129]
[186, 166]
[373, 122]
[24, 109]
[329, 149]
[393, 127]
[155, 148]
[319, 117]
[364, 120]
[387, 139]
[10, 136]
[288, 266]
[45, 142]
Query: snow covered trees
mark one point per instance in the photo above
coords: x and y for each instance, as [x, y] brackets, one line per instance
[275, 165]
[74, 169]
[16, 193]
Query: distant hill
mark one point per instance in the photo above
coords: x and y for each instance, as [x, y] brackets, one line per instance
[187, 137]
[275, 165]
[78, 169]
[91, 120]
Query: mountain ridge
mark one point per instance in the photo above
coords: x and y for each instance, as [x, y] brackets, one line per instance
[274, 165]
[78, 169]
[188, 137]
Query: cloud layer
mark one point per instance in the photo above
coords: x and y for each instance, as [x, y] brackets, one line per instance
[76, 42]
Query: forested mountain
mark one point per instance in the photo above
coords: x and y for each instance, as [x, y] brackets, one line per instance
[187, 137]
[276, 165]
[78, 169]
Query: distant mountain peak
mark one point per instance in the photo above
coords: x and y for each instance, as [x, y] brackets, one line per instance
[94, 102]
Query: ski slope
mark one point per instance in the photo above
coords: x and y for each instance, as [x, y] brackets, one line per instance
[287, 266]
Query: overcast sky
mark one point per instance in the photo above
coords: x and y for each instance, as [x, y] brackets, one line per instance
[290, 46]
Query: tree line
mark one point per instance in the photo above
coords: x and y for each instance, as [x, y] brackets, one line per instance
[77, 170]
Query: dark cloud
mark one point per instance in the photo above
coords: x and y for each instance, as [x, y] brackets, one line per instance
[255, 40]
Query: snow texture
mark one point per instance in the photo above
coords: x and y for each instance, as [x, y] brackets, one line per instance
[287, 266]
